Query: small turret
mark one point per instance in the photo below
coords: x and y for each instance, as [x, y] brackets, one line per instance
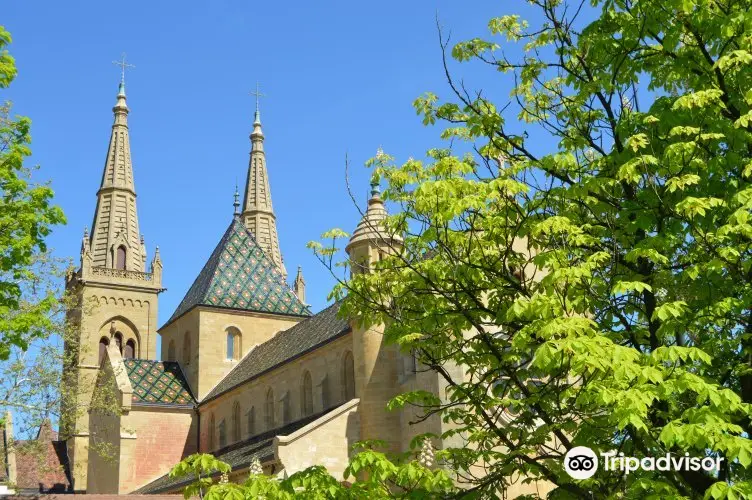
[371, 241]
[156, 268]
[299, 286]
[375, 361]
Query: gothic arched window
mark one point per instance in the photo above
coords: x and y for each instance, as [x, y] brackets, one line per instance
[187, 348]
[103, 343]
[130, 349]
[251, 421]
[269, 410]
[326, 399]
[120, 258]
[306, 395]
[233, 343]
[210, 433]
[222, 433]
[285, 408]
[348, 376]
[236, 421]
[171, 351]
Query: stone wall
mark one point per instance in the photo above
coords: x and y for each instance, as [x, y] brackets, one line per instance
[154, 440]
[207, 329]
[325, 367]
[325, 441]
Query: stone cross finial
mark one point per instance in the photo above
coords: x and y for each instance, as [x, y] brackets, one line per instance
[257, 94]
[122, 65]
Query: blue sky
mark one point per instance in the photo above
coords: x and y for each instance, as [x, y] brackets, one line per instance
[340, 77]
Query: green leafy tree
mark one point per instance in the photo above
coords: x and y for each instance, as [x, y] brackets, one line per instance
[378, 477]
[26, 218]
[583, 249]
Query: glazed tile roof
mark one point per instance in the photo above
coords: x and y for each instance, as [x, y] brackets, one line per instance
[239, 275]
[158, 382]
[238, 455]
[284, 347]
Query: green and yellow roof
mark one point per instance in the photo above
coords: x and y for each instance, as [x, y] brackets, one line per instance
[239, 275]
[158, 382]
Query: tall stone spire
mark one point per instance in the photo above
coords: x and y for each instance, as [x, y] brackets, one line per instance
[258, 214]
[115, 227]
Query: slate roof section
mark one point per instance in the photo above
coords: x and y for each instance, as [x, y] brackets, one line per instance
[284, 347]
[239, 275]
[158, 382]
[238, 455]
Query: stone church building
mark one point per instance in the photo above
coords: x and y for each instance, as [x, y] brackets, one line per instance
[248, 370]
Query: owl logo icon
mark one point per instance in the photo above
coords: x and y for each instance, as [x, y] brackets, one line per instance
[581, 462]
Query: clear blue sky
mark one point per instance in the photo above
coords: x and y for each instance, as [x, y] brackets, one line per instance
[340, 78]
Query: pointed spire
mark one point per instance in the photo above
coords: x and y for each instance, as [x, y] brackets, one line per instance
[299, 285]
[258, 213]
[115, 219]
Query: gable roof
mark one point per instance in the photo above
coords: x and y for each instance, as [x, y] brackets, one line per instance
[283, 347]
[158, 382]
[239, 275]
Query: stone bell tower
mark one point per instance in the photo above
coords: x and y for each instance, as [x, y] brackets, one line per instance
[115, 298]
[375, 361]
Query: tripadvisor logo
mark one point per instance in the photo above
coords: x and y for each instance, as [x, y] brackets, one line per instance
[581, 462]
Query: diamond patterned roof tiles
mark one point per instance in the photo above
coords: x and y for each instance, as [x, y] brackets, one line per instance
[158, 382]
[239, 275]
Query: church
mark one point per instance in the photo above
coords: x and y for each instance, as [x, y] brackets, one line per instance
[249, 373]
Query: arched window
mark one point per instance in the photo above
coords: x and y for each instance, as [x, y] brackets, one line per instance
[326, 398]
[222, 433]
[187, 348]
[171, 351]
[210, 432]
[348, 376]
[120, 258]
[103, 343]
[251, 421]
[269, 410]
[285, 408]
[306, 395]
[119, 341]
[130, 349]
[233, 343]
[236, 421]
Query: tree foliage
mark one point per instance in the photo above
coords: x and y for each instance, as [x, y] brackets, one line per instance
[378, 477]
[26, 218]
[588, 261]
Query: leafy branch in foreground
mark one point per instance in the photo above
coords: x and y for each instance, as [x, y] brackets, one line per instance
[378, 477]
[588, 260]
